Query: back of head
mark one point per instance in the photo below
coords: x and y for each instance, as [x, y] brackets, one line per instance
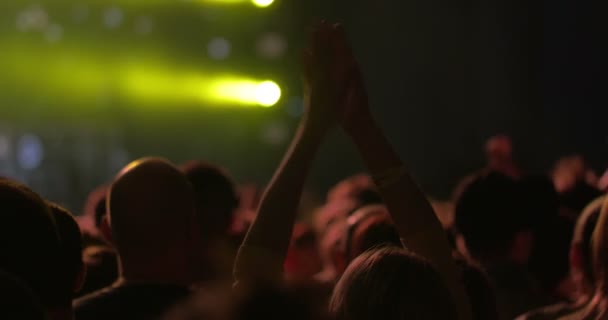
[29, 240]
[391, 283]
[489, 213]
[151, 207]
[297, 302]
[18, 301]
[216, 196]
[70, 259]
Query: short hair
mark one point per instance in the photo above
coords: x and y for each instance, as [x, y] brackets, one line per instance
[151, 207]
[489, 213]
[29, 240]
[391, 283]
[216, 196]
[71, 264]
[18, 301]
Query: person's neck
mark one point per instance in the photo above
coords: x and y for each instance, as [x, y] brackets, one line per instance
[66, 313]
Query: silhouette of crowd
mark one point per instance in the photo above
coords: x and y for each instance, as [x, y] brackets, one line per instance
[170, 242]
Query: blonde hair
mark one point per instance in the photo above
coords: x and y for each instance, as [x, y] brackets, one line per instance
[391, 283]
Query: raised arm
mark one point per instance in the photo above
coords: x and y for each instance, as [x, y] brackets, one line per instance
[412, 214]
[264, 249]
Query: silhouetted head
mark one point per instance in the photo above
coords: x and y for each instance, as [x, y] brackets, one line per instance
[71, 267]
[18, 301]
[570, 177]
[393, 284]
[499, 148]
[493, 220]
[29, 241]
[151, 213]
[216, 197]
[294, 302]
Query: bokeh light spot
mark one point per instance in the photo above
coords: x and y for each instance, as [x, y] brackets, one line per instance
[268, 93]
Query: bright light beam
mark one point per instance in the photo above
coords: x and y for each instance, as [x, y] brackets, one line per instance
[65, 74]
[257, 3]
[262, 3]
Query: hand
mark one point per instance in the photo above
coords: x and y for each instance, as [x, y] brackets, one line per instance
[326, 67]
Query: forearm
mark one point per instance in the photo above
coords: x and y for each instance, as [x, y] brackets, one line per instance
[410, 209]
[271, 230]
[411, 212]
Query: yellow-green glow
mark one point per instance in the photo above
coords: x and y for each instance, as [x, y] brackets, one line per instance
[243, 91]
[262, 3]
[268, 93]
[257, 3]
[76, 75]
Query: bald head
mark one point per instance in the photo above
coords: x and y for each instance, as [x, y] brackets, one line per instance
[151, 206]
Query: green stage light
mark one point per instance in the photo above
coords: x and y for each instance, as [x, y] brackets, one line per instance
[75, 75]
[257, 3]
[262, 3]
[245, 91]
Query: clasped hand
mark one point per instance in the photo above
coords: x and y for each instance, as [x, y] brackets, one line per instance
[334, 90]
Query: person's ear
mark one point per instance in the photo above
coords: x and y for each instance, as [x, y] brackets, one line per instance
[106, 230]
[80, 279]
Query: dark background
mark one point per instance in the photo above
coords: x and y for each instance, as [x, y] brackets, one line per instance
[443, 76]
